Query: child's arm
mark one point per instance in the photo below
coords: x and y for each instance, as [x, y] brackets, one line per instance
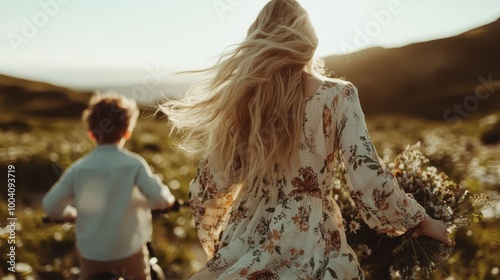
[153, 189]
[56, 202]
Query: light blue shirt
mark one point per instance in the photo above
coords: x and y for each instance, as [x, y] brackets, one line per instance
[112, 190]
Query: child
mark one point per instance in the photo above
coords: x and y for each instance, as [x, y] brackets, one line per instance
[112, 191]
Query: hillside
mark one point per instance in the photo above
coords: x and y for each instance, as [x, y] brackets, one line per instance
[428, 79]
[20, 98]
[446, 79]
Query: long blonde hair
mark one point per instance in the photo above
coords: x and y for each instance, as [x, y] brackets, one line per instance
[247, 118]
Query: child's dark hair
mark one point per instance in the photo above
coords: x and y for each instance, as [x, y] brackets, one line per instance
[109, 116]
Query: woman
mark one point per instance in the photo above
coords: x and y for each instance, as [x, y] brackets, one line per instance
[269, 126]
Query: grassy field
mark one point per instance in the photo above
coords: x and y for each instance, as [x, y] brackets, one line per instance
[43, 147]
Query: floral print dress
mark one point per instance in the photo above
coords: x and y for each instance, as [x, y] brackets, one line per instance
[291, 228]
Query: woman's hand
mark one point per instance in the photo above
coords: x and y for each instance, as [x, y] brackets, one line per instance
[432, 228]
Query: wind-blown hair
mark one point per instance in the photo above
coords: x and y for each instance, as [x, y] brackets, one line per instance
[248, 117]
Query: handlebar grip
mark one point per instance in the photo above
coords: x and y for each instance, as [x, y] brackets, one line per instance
[47, 220]
[178, 204]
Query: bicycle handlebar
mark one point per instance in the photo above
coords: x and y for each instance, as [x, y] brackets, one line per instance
[178, 204]
[47, 220]
[156, 213]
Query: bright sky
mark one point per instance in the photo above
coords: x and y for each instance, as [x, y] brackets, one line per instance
[58, 40]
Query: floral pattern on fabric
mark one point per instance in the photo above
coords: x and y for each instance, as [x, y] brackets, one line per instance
[292, 228]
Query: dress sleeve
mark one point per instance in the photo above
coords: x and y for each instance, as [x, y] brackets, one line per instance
[382, 203]
[210, 208]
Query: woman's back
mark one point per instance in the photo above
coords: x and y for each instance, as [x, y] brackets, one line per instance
[291, 227]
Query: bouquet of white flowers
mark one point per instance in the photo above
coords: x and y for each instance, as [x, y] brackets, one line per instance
[404, 256]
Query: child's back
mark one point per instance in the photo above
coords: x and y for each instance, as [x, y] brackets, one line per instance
[112, 190]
